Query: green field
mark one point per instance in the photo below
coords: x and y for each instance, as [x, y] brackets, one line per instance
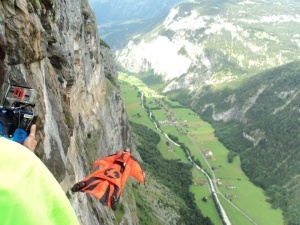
[199, 137]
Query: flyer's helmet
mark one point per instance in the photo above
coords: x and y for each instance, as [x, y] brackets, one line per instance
[127, 149]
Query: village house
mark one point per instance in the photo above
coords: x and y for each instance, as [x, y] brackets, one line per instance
[207, 154]
[164, 122]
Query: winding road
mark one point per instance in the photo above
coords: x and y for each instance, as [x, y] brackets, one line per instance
[212, 181]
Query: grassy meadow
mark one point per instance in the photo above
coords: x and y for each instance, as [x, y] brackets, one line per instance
[199, 137]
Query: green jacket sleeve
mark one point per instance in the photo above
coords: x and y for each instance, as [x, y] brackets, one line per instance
[29, 193]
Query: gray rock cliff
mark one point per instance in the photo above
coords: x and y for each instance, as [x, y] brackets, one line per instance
[53, 47]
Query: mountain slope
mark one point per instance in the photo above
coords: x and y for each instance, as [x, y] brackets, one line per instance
[259, 119]
[209, 42]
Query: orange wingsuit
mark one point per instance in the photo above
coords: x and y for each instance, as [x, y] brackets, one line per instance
[107, 183]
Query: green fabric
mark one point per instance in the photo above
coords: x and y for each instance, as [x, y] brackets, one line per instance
[29, 194]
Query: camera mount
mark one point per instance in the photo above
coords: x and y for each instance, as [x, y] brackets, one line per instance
[16, 113]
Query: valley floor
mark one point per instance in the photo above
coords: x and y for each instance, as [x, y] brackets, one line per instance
[243, 202]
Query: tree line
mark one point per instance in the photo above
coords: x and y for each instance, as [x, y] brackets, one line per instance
[172, 173]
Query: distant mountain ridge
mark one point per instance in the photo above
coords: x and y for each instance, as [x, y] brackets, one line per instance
[210, 42]
[109, 11]
[118, 20]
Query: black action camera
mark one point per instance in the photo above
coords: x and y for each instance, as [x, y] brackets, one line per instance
[16, 113]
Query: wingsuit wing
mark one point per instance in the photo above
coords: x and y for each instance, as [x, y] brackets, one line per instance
[107, 183]
[105, 191]
[105, 161]
[136, 170]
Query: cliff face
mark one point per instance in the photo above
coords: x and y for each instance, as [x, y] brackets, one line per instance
[53, 47]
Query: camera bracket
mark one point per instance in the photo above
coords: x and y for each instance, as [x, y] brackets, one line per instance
[16, 114]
